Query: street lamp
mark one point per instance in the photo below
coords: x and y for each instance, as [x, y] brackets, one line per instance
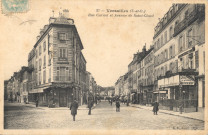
[184, 98]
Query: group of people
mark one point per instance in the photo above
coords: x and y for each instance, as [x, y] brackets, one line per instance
[117, 104]
[74, 106]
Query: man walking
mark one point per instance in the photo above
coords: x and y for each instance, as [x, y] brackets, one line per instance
[73, 108]
[117, 106]
[36, 102]
[155, 108]
[90, 105]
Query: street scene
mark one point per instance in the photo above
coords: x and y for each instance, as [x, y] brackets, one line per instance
[105, 69]
[103, 117]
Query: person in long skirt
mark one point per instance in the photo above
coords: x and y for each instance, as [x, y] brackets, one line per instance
[73, 108]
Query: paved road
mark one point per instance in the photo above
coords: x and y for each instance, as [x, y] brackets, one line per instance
[104, 116]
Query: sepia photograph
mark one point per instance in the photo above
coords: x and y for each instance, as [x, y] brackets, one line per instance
[103, 67]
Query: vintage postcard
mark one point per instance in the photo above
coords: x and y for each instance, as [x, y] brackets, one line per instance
[103, 67]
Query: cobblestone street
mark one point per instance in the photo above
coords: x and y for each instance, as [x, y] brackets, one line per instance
[104, 116]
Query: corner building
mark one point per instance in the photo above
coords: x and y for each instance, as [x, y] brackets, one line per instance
[59, 67]
[178, 40]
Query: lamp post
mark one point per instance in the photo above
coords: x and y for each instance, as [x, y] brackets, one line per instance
[184, 99]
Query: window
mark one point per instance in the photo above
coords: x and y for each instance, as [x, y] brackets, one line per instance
[166, 54]
[171, 66]
[63, 74]
[62, 36]
[44, 77]
[190, 42]
[158, 43]
[62, 54]
[162, 40]
[170, 52]
[165, 37]
[44, 64]
[39, 50]
[44, 46]
[162, 72]
[171, 33]
[49, 59]
[36, 54]
[49, 78]
[186, 14]
[176, 23]
[36, 65]
[165, 69]
[39, 78]
[40, 63]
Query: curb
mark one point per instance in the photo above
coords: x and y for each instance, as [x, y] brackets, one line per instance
[172, 114]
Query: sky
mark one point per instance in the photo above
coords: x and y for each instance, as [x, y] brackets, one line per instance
[109, 42]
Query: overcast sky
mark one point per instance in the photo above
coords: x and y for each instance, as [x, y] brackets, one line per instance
[109, 42]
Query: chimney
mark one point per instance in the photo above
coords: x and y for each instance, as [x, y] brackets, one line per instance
[41, 32]
[38, 37]
[52, 20]
[144, 48]
[66, 13]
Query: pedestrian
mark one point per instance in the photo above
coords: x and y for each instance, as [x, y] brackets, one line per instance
[36, 102]
[111, 102]
[90, 105]
[155, 108]
[117, 106]
[73, 108]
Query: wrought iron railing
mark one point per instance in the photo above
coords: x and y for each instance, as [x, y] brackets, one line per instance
[190, 18]
[62, 78]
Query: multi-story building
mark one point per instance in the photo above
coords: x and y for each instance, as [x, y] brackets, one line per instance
[126, 91]
[5, 89]
[23, 84]
[178, 39]
[148, 81]
[140, 96]
[59, 67]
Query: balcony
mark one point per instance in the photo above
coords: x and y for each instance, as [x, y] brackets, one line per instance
[189, 19]
[62, 78]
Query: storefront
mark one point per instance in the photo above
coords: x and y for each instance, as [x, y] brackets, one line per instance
[56, 95]
[178, 89]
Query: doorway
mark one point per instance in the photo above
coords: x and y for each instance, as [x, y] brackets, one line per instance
[62, 98]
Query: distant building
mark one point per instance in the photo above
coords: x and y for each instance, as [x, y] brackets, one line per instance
[5, 89]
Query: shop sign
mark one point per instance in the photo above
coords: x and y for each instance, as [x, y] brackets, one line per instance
[187, 80]
[62, 85]
[163, 91]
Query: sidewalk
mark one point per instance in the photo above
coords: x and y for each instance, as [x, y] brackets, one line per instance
[192, 115]
[33, 104]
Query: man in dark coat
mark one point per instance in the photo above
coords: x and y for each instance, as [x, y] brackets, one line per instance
[73, 108]
[155, 108]
[36, 102]
[117, 106]
[90, 105]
